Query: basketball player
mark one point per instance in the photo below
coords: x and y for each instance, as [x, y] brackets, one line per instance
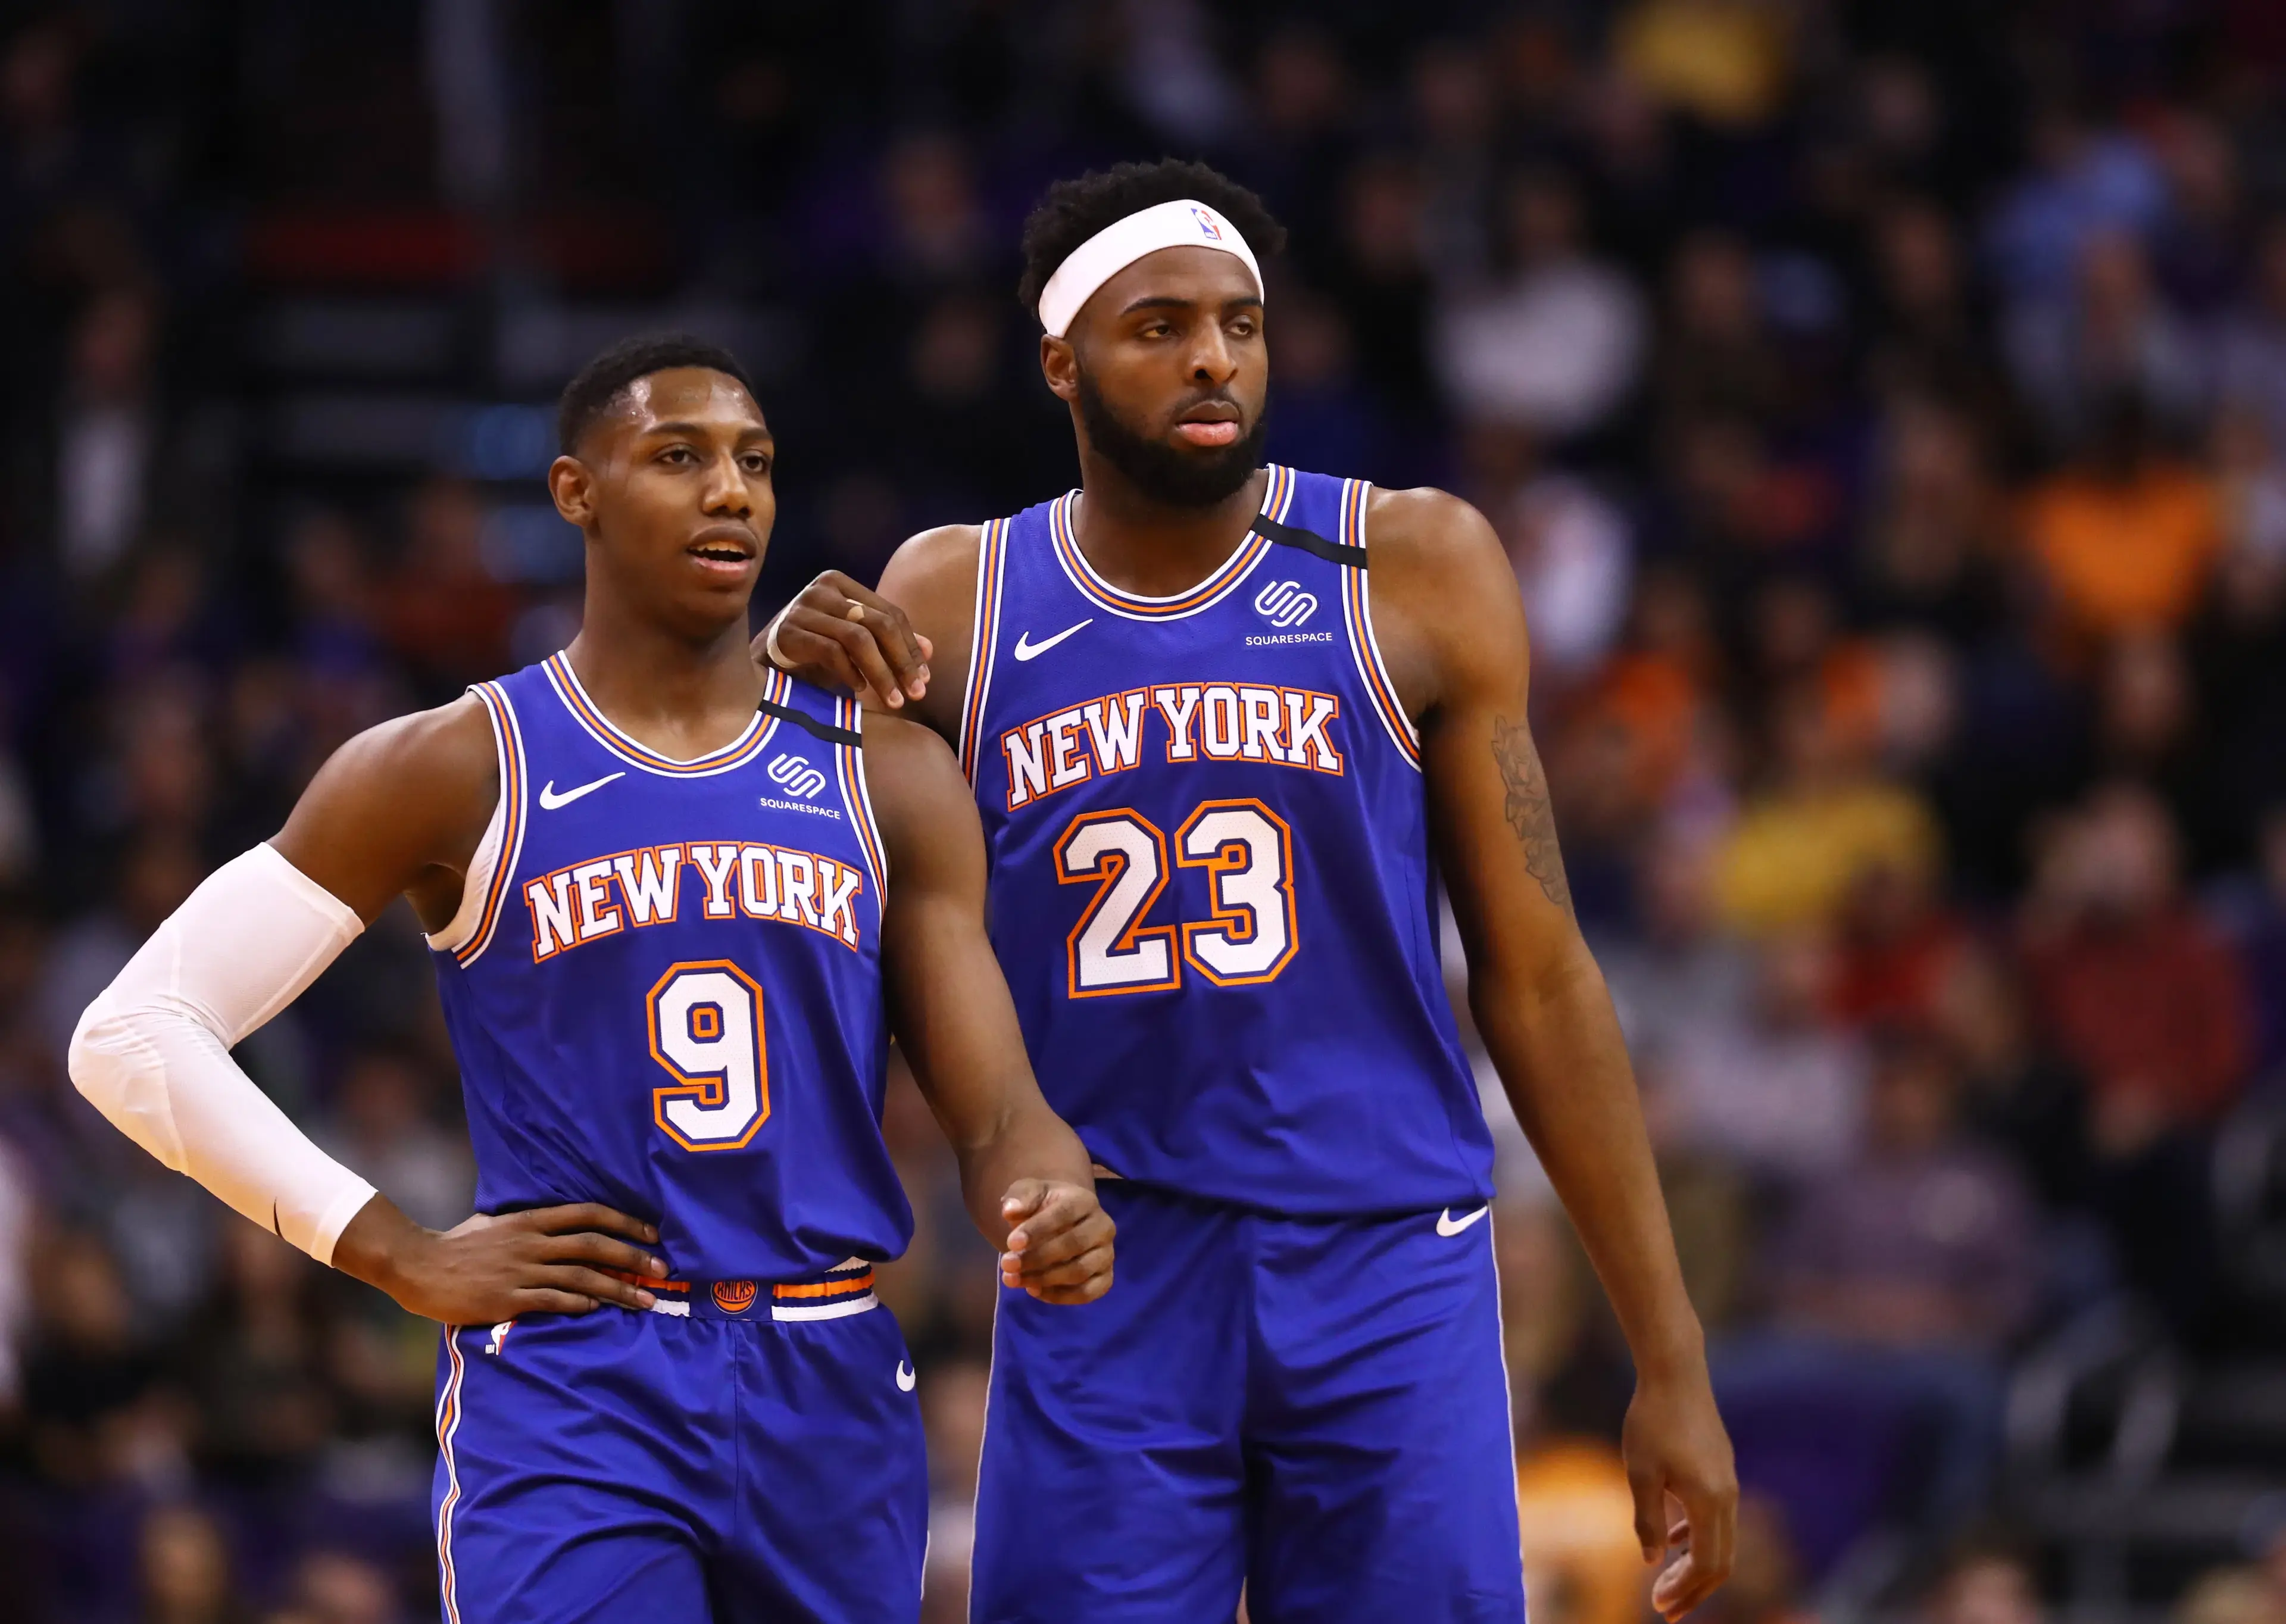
[666, 925]
[1220, 720]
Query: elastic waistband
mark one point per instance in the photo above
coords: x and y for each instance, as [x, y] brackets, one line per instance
[845, 1289]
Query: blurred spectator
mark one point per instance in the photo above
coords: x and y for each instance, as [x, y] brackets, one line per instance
[384, 1125]
[86, 1369]
[1384, 280]
[333, 592]
[18, 1213]
[2232, 1595]
[1725, 61]
[1930, 335]
[952, 1412]
[1546, 1332]
[2116, 336]
[1555, 348]
[2201, 251]
[253, 1350]
[961, 404]
[1776, 1086]
[2263, 949]
[933, 230]
[1453, 111]
[1766, 1576]
[38, 93]
[2145, 999]
[2149, 731]
[1171, 74]
[1680, 975]
[2125, 537]
[2252, 481]
[1570, 547]
[152, 878]
[1582, 1564]
[2250, 349]
[333, 1587]
[443, 612]
[1899, 1279]
[1823, 824]
[1302, 91]
[185, 1570]
[106, 431]
[1985, 1581]
[1934, 537]
[1899, 947]
[2085, 180]
[1325, 410]
[2135, 988]
[1927, 1240]
[1719, 357]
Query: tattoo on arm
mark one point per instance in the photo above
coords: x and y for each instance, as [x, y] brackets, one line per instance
[1528, 811]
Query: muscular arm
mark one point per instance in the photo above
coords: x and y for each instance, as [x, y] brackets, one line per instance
[1024, 1173]
[1451, 629]
[400, 808]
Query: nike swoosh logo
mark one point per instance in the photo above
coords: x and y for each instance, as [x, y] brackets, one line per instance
[549, 800]
[1447, 1225]
[905, 1376]
[1026, 649]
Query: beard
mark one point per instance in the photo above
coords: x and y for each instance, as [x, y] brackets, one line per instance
[1165, 473]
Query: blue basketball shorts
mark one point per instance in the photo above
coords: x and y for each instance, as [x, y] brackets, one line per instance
[734, 1461]
[1316, 1410]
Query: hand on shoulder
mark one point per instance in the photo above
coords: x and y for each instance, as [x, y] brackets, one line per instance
[885, 646]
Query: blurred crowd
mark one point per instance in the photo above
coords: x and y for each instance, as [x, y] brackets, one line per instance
[1884, 409]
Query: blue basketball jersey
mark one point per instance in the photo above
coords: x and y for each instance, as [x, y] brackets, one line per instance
[666, 995]
[1211, 888]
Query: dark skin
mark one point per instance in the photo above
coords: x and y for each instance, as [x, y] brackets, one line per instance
[671, 489]
[1174, 344]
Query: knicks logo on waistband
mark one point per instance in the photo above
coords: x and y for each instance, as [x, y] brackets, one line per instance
[1284, 603]
[733, 1297]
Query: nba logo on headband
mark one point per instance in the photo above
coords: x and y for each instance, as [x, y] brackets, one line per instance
[1182, 222]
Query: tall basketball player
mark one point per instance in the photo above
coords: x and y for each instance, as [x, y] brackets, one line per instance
[1227, 725]
[666, 924]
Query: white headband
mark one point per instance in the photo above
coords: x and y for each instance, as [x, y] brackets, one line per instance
[1179, 224]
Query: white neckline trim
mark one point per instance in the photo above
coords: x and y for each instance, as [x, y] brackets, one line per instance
[633, 751]
[1217, 583]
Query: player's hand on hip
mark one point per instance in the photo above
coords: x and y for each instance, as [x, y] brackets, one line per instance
[1685, 1487]
[1059, 1243]
[544, 1260]
[841, 635]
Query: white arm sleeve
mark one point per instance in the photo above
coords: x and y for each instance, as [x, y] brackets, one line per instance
[152, 1053]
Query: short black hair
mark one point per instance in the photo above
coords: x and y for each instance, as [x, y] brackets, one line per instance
[603, 380]
[1071, 211]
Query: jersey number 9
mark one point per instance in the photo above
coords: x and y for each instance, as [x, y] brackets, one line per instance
[706, 1032]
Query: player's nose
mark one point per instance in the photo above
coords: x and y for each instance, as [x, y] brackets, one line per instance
[725, 490]
[1212, 359]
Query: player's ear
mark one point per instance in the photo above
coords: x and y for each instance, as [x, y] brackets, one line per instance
[572, 485]
[1059, 366]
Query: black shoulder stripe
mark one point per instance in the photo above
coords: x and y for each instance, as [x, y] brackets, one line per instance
[810, 725]
[1309, 542]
